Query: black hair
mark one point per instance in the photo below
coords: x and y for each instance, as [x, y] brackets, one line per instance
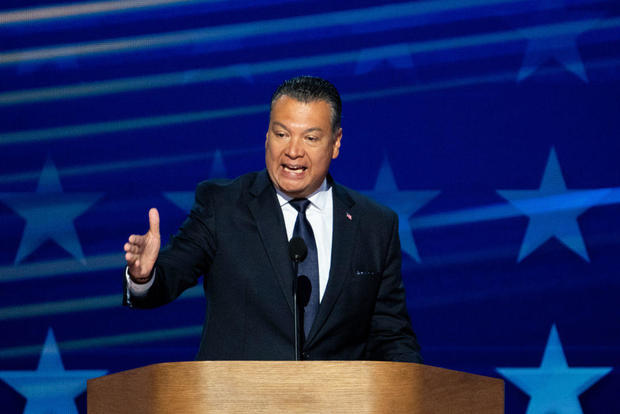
[309, 89]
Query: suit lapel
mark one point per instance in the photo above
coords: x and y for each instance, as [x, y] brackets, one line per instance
[345, 224]
[270, 223]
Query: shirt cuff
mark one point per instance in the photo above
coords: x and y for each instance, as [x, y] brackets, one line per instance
[137, 289]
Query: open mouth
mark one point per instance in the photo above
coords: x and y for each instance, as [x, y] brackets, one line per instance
[294, 169]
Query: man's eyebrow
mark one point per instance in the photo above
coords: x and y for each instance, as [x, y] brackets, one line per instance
[313, 129]
[276, 123]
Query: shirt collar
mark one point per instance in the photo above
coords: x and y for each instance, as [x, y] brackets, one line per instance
[317, 199]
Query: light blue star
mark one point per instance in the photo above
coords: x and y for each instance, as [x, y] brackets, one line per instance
[554, 387]
[49, 214]
[218, 169]
[403, 202]
[553, 210]
[50, 389]
[185, 199]
[562, 46]
[182, 199]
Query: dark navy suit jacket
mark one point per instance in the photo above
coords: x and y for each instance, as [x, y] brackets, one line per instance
[235, 235]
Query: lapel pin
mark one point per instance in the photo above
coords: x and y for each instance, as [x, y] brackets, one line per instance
[349, 216]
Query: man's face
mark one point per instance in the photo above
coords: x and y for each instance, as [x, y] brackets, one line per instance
[300, 145]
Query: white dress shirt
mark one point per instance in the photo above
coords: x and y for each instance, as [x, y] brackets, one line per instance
[319, 213]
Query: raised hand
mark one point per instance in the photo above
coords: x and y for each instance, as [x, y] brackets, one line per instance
[141, 251]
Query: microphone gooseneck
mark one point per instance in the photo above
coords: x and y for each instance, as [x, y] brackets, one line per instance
[298, 252]
[304, 290]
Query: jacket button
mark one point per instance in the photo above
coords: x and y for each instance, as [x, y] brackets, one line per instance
[305, 355]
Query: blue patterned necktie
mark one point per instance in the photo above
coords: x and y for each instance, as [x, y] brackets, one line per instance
[310, 266]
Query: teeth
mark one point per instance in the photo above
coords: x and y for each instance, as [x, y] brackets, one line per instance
[294, 167]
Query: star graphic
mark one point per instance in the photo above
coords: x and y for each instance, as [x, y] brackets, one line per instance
[244, 71]
[562, 47]
[553, 210]
[554, 387]
[49, 214]
[185, 199]
[50, 388]
[403, 202]
[398, 56]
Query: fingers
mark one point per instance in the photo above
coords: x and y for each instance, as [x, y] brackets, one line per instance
[154, 221]
[131, 248]
[137, 246]
[131, 259]
[136, 239]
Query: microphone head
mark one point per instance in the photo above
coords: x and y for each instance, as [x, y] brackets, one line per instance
[297, 249]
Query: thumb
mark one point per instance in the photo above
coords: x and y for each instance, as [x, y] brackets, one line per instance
[154, 221]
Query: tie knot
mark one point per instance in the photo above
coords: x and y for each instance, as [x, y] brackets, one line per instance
[300, 204]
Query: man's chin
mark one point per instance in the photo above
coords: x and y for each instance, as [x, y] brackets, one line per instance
[295, 191]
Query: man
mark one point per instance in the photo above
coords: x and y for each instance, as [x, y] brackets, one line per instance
[238, 233]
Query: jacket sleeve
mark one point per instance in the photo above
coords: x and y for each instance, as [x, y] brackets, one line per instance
[185, 258]
[391, 336]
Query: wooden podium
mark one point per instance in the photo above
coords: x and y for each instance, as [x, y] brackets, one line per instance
[294, 387]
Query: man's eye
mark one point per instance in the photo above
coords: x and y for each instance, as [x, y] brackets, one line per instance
[310, 138]
[280, 134]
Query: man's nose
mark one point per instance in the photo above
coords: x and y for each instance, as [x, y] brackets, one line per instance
[295, 148]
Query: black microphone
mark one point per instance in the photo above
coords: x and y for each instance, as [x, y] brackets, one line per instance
[298, 251]
[304, 290]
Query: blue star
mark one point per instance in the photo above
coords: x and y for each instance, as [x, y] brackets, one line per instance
[561, 46]
[404, 203]
[49, 214]
[554, 387]
[244, 71]
[553, 210]
[398, 56]
[185, 199]
[50, 389]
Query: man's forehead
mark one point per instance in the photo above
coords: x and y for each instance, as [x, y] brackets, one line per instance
[290, 102]
[286, 102]
[297, 100]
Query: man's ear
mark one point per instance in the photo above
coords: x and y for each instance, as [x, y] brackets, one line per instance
[337, 139]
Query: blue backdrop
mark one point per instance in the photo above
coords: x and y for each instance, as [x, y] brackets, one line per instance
[492, 127]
